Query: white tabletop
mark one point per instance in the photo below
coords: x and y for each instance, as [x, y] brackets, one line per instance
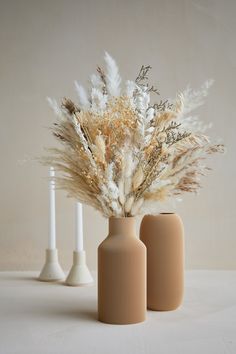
[43, 318]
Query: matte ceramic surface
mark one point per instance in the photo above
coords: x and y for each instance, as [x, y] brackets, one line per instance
[163, 237]
[122, 274]
[79, 274]
[52, 270]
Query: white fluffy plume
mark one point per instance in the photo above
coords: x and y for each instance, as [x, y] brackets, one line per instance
[98, 101]
[189, 100]
[54, 106]
[130, 88]
[96, 82]
[123, 153]
[192, 99]
[112, 76]
[83, 97]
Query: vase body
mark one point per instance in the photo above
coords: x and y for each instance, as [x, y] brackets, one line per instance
[163, 236]
[122, 274]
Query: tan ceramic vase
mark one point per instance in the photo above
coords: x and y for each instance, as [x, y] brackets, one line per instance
[122, 274]
[163, 236]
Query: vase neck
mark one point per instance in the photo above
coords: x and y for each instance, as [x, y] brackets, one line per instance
[122, 226]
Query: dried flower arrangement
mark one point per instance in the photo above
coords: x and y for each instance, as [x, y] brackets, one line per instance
[120, 153]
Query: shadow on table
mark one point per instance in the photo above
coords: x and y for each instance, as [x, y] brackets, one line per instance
[19, 278]
[81, 315]
[84, 310]
[43, 304]
[13, 277]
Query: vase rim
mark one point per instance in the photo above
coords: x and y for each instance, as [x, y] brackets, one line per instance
[122, 225]
[161, 215]
[121, 217]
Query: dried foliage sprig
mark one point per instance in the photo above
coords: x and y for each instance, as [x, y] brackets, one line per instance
[142, 79]
[121, 153]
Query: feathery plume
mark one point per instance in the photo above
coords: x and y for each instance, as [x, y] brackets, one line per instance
[128, 204]
[113, 78]
[137, 206]
[54, 106]
[83, 98]
[138, 178]
[123, 154]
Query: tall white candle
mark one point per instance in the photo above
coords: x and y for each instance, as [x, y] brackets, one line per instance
[52, 211]
[79, 243]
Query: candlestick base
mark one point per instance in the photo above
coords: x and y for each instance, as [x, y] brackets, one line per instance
[52, 270]
[79, 274]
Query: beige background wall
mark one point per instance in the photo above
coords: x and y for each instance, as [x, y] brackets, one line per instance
[47, 44]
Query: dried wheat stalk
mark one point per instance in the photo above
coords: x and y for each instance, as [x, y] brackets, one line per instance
[120, 153]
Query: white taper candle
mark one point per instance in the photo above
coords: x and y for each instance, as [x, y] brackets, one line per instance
[52, 207]
[79, 242]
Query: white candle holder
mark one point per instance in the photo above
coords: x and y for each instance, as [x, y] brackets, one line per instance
[52, 270]
[79, 274]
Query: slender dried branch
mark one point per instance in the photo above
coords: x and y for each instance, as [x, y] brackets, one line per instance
[103, 79]
[120, 153]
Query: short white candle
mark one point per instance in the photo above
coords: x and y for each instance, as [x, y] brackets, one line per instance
[52, 211]
[79, 244]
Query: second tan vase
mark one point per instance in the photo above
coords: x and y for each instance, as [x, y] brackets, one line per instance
[122, 274]
[163, 236]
